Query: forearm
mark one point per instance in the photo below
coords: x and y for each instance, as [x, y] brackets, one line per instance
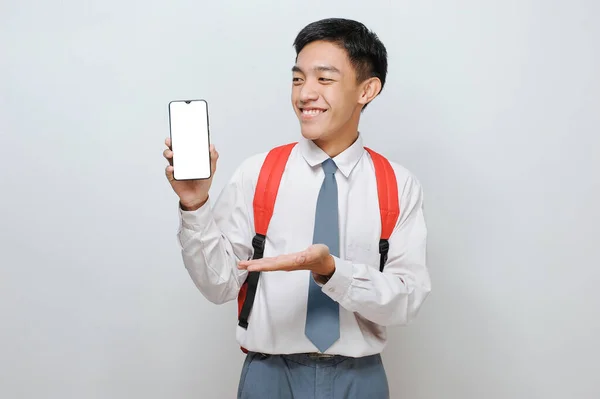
[209, 256]
[386, 298]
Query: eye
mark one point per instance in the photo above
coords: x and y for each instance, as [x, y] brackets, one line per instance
[296, 80]
[325, 80]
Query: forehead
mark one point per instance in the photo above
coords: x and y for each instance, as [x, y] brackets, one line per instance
[323, 54]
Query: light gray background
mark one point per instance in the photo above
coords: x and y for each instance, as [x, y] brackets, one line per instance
[494, 105]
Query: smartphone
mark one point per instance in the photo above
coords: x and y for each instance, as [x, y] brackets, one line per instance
[190, 139]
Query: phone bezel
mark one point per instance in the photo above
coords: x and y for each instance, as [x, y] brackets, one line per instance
[208, 136]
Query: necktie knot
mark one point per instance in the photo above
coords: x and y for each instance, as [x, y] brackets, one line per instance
[329, 167]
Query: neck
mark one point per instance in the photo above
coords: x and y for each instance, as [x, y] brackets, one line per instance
[334, 147]
[341, 140]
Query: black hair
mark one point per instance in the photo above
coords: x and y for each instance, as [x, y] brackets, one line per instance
[366, 52]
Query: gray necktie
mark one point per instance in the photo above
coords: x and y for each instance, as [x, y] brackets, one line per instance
[322, 317]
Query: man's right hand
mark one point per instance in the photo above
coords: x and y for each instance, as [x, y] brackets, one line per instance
[192, 193]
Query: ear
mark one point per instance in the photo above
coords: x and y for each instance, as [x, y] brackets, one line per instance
[369, 89]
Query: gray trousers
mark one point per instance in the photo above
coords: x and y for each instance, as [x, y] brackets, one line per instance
[305, 377]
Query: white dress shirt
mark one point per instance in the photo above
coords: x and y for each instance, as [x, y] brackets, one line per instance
[214, 240]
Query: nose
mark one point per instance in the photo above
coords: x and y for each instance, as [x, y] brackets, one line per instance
[308, 92]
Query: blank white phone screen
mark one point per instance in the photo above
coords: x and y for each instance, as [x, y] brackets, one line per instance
[190, 139]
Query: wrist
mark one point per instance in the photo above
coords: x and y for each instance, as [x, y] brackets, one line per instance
[329, 267]
[192, 206]
[322, 277]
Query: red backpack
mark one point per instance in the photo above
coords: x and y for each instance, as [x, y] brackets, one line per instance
[264, 203]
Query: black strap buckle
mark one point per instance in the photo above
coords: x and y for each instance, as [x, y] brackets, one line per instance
[258, 243]
[384, 247]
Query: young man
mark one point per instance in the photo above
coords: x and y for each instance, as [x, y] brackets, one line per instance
[321, 254]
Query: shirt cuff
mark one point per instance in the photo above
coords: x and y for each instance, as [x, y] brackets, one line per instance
[338, 285]
[195, 220]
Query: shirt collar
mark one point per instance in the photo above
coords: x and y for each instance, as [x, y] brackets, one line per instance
[345, 161]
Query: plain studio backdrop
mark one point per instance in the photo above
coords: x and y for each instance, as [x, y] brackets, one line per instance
[493, 105]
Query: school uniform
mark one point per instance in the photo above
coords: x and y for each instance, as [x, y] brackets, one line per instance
[283, 359]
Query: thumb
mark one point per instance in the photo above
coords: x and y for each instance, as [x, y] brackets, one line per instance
[214, 156]
[314, 253]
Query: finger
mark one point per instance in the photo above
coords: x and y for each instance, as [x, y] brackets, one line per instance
[269, 265]
[245, 264]
[168, 143]
[260, 262]
[168, 154]
[169, 173]
[282, 262]
[256, 265]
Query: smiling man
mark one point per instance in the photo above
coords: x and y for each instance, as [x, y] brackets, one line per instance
[338, 264]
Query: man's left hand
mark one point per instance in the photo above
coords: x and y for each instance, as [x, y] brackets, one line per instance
[315, 258]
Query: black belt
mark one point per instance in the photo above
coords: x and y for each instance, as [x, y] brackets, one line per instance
[312, 355]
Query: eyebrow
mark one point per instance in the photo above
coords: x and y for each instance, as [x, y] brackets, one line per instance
[318, 68]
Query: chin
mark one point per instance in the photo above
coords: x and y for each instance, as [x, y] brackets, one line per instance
[313, 127]
[313, 132]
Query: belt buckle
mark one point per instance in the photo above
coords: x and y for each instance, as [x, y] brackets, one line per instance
[319, 356]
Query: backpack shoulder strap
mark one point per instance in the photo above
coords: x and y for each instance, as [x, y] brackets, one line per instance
[389, 206]
[265, 195]
[267, 186]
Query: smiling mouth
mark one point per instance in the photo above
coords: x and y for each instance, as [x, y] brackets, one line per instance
[311, 112]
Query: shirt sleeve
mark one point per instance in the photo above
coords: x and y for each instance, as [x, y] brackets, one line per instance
[213, 241]
[394, 296]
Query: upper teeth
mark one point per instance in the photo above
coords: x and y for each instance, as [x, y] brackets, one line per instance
[312, 111]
